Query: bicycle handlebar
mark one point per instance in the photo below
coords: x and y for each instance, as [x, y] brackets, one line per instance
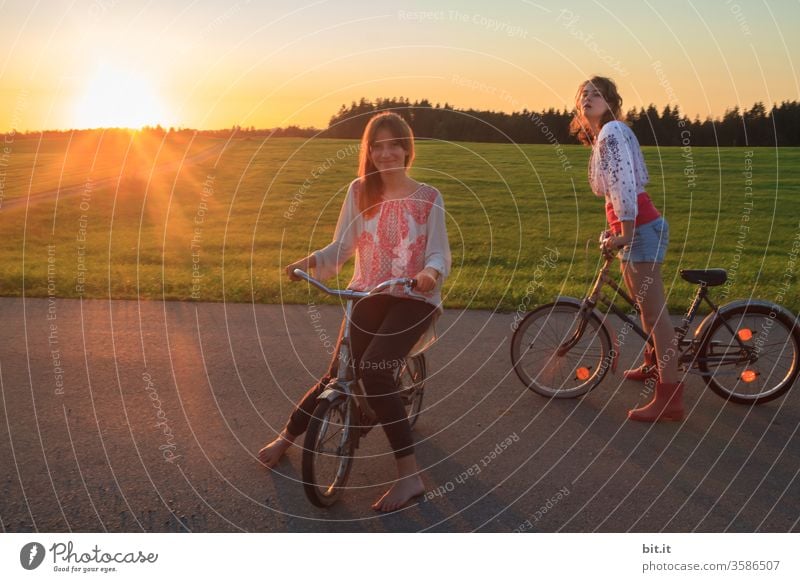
[407, 282]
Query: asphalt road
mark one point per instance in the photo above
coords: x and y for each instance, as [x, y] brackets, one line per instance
[160, 408]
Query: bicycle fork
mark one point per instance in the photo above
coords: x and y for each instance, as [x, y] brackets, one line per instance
[570, 343]
[587, 307]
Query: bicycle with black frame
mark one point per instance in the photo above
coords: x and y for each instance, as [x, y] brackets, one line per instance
[343, 416]
[747, 351]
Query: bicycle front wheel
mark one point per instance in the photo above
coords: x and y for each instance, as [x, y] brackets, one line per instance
[328, 451]
[535, 351]
[411, 385]
[750, 354]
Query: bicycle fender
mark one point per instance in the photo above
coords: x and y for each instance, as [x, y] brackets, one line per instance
[604, 321]
[711, 317]
[330, 394]
[332, 391]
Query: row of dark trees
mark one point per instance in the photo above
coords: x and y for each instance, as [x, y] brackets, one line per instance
[668, 127]
[159, 132]
[757, 126]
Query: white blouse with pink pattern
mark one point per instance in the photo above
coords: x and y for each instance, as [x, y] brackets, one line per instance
[402, 238]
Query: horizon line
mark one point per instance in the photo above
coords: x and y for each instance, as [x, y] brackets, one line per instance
[446, 105]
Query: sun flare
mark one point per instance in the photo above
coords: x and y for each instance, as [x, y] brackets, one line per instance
[115, 98]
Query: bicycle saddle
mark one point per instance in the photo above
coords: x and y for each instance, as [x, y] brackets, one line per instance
[709, 277]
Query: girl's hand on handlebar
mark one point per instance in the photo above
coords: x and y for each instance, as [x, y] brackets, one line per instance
[617, 242]
[302, 264]
[426, 279]
[612, 243]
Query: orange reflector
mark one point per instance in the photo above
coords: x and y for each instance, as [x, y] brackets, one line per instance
[749, 375]
[582, 373]
[745, 334]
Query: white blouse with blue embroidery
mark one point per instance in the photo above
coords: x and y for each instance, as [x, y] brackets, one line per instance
[617, 169]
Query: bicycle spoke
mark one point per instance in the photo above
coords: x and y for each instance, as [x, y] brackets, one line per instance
[766, 370]
[327, 440]
[539, 363]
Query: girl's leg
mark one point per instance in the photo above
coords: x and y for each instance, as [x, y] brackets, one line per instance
[407, 486]
[644, 280]
[649, 356]
[404, 322]
[271, 453]
[667, 404]
[625, 268]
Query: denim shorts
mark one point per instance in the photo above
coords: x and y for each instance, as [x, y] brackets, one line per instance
[649, 244]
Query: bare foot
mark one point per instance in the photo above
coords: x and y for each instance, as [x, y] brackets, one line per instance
[400, 493]
[272, 453]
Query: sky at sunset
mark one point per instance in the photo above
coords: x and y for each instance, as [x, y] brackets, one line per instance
[212, 64]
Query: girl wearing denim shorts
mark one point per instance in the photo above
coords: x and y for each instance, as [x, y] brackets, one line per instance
[618, 173]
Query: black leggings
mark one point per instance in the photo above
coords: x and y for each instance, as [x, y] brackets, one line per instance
[384, 329]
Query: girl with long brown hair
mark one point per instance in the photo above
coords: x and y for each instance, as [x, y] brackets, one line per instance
[395, 227]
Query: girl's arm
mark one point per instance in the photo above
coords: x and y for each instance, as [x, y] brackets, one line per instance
[615, 242]
[437, 251]
[327, 261]
[618, 157]
[303, 264]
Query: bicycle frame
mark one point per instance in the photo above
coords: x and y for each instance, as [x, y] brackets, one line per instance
[689, 348]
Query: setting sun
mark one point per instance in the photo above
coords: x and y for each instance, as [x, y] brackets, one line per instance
[115, 98]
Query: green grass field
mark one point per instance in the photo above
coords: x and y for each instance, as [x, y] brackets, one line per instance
[233, 220]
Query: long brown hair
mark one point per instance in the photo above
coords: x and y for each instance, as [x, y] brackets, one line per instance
[579, 126]
[370, 191]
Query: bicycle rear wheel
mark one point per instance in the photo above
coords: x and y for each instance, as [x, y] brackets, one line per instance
[750, 354]
[411, 384]
[535, 346]
[328, 451]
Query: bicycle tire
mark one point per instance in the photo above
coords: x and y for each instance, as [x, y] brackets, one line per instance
[410, 381]
[321, 487]
[553, 376]
[772, 373]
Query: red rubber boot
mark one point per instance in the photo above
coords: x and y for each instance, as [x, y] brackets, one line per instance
[667, 405]
[646, 371]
